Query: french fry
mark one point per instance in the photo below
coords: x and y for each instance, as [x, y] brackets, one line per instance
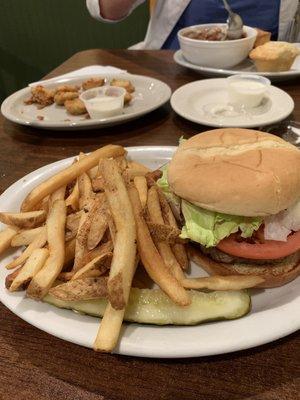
[65, 276]
[122, 163]
[81, 238]
[85, 190]
[43, 280]
[109, 331]
[178, 249]
[45, 204]
[103, 248]
[72, 225]
[72, 200]
[151, 258]
[97, 267]
[25, 220]
[164, 233]
[124, 258]
[69, 174]
[6, 237]
[93, 172]
[10, 277]
[32, 266]
[58, 194]
[123, 262]
[37, 243]
[229, 282]
[69, 252]
[98, 184]
[137, 169]
[99, 222]
[24, 238]
[112, 229]
[81, 289]
[140, 183]
[164, 248]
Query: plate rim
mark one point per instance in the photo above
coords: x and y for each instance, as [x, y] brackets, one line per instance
[231, 124]
[86, 124]
[138, 349]
[181, 60]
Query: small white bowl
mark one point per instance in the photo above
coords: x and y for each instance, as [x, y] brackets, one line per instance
[247, 91]
[103, 102]
[216, 54]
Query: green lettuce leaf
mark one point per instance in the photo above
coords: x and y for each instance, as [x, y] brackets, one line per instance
[181, 140]
[164, 185]
[209, 228]
[203, 226]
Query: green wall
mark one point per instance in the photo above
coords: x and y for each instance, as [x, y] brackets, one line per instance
[38, 35]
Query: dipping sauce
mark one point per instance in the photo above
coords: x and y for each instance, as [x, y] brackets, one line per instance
[247, 90]
[104, 102]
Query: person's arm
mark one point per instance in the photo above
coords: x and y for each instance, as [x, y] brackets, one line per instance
[115, 9]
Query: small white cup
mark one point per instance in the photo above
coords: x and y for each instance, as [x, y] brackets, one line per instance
[247, 90]
[104, 102]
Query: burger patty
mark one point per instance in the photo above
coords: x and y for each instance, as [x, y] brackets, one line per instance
[220, 256]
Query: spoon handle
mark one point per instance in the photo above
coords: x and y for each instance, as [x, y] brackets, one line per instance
[227, 6]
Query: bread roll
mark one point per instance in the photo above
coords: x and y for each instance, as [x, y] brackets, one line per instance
[237, 171]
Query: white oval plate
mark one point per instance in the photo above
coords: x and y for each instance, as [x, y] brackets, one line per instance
[245, 67]
[275, 312]
[149, 94]
[190, 100]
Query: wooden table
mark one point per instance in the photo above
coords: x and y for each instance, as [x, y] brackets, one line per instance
[37, 366]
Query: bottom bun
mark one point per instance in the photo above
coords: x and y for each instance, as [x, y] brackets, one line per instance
[274, 274]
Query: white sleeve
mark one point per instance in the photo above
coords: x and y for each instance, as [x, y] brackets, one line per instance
[95, 11]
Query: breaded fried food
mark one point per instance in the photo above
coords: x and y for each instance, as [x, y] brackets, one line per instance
[67, 88]
[75, 107]
[124, 84]
[61, 97]
[127, 98]
[42, 96]
[92, 83]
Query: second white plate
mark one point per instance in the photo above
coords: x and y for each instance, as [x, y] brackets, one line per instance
[194, 101]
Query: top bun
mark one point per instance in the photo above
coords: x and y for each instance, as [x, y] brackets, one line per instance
[237, 171]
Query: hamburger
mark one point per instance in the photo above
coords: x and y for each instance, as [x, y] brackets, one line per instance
[238, 191]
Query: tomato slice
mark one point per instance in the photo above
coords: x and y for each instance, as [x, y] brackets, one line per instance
[270, 250]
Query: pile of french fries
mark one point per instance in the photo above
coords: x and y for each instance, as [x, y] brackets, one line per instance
[86, 230]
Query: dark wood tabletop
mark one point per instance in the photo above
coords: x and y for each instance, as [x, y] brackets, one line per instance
[37, 366]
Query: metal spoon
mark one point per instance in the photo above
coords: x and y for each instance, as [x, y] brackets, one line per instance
[234, 22]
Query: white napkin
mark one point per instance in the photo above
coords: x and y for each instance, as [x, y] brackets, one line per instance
[90, 70]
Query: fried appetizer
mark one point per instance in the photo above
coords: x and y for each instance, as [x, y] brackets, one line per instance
[42, 96]
[124, 84]
[67, 88]
[93, 83]
[127, 98]
[61, 97]
[75, 107]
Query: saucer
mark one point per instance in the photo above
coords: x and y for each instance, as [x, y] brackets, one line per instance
[206, 102]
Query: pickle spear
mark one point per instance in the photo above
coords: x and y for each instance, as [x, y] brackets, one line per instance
[148, 306]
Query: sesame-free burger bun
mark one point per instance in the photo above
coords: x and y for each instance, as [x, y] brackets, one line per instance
[237, 171]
